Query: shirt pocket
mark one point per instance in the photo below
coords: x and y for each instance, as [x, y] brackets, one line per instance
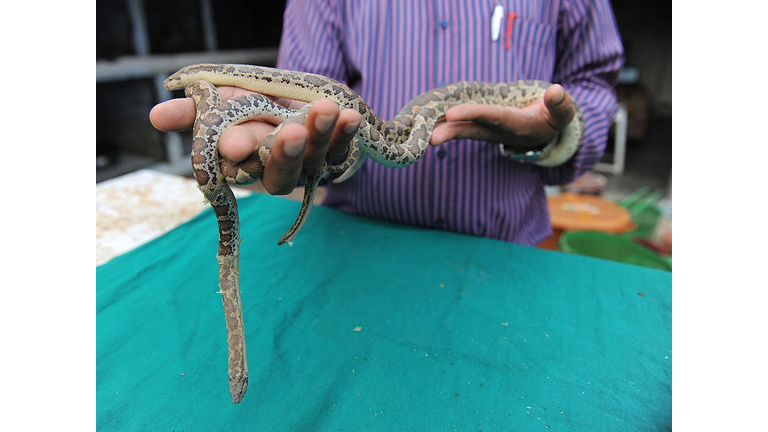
[532, 51]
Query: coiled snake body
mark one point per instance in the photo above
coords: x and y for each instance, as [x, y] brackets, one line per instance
[395, 143]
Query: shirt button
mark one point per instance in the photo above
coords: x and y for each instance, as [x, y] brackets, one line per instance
[441, 153]
[444, 24]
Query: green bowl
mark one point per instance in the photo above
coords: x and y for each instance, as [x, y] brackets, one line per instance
[611, 247]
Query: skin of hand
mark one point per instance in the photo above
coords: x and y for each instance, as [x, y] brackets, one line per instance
[302, 149]
[298, 149]
[516, 128]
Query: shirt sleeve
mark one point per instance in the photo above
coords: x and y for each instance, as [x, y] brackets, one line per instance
[312, 38]
[590, 55]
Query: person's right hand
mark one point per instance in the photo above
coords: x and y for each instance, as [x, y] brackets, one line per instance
[298, 149]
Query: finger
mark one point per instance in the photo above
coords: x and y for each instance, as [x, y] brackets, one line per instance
[173, 115]
[238, 142]
[480, 122]
[283, 168]
[444, 132]
[229, 92]
[177, 115]
[560, 106]
[487, 114]
[288, 103]
[321, 122]
[346, 128]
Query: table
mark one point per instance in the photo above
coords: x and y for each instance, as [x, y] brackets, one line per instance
[369, 325]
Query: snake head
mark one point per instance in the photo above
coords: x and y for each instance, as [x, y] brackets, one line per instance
[174, 82]
[188, 74]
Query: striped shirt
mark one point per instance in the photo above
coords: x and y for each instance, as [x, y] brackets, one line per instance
[389, 51]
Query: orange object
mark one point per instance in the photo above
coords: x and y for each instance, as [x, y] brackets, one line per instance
[571, 212]
[510, 19]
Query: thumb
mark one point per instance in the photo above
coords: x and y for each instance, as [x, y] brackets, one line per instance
[560, 106]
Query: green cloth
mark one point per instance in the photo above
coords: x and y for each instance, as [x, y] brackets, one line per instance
[368, 325]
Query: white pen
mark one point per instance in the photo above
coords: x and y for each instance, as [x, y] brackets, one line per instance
[498, 14]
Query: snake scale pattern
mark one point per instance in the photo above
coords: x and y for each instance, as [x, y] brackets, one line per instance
[395, 143]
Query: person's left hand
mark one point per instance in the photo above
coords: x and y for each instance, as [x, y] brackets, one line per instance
[517, 128]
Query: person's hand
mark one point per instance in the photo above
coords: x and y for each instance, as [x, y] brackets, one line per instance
[298, 149]
[517, 128]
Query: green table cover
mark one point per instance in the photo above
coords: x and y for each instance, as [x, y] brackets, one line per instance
[368, 325]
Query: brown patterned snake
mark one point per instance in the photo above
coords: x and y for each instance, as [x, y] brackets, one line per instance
[396, 143]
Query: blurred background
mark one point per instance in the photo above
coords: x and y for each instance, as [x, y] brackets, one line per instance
[139, 43]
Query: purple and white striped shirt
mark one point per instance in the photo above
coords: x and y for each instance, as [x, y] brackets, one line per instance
[392, 50]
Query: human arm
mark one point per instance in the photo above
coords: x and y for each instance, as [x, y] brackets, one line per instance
[590, 56]
[586, 62]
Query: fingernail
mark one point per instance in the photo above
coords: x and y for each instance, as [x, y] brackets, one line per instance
[351, 127]
[559, 96]
[294, 148]
[323, 122]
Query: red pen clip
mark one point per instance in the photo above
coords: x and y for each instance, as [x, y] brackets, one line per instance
[510, 19]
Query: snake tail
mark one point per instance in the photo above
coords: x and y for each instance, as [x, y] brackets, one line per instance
[229, 283]
[219, 195]
[310, 188]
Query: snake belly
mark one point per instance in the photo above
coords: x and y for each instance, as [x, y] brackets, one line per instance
[394, 143]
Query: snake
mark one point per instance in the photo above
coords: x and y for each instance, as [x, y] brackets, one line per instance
[395, 143]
